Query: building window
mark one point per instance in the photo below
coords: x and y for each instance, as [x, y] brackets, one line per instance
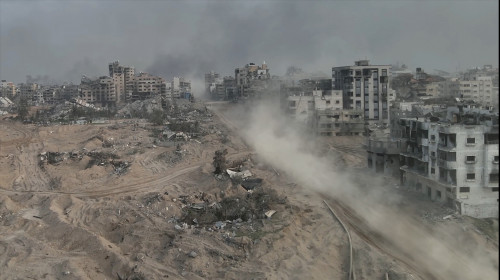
[471, 176]
[494, 178]
[433, 154]
[494, 189]
[337, 102]
[433, 170]
[495, 159]
[471, 140]
[464, 189]
[328, 102]
[470, 159]
[433, 139]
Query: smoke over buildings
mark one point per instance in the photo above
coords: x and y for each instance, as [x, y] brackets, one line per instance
[198, 37]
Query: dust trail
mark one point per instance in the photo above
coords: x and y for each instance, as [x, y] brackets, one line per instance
[283, 146]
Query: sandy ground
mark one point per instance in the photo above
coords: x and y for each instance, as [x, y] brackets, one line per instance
[72, 221]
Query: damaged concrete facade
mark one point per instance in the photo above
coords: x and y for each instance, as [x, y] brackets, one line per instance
[321, 111]
[7, 89]
[100, 91]
[251, 80]
[122, 85]
[383, 154]
[453, 160]
[122, 78]
[146, 86]
[180, 88]
[365, 88]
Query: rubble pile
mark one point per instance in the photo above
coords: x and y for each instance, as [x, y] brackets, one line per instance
[96, 158]
[233, 212]
[140, 108]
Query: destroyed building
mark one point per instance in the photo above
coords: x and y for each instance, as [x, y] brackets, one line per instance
[123, 80]
[144, 86]
[364, 87]
[252, 80]
[122, 85]
[100, 91]
[453, 158]
[383, 152]
[315, 105]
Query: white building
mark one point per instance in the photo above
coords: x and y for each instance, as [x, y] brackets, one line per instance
[479, 89]
[454, 162]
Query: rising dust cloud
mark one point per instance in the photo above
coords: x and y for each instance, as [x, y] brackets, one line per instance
[280, 144]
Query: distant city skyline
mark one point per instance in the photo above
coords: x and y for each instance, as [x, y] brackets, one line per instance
[65, 40]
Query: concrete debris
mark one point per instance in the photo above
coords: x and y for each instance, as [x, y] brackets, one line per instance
[250, 184]
[270, 213]
[192, 254]
[243, 174]
[220, 225]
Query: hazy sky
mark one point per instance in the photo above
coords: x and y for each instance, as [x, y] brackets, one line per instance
[65, 39]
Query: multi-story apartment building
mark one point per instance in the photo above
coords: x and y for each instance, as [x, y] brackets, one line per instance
[365, 88]
[180, 87]
[29, 92]
[252, 79]
[211, 79]
[453, 160]
[123, 79]
[479, 89]
[101, 91]
[69, 91]
[323, 113]
[7, 89]
[449, 88]
[145, 86]
[229, 87]
[52, 95]
[215, 86]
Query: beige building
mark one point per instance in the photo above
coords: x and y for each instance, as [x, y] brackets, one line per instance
[145, 86]
[122, 78]
[8, 89]
[479, 89]
[100, 91]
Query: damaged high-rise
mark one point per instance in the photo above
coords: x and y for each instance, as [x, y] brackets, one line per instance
[364, 87]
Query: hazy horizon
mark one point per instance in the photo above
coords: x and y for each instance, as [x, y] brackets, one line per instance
[64, 40]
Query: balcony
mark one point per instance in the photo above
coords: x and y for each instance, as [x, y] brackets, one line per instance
[417, 156]
[447, 164]
[446, 148]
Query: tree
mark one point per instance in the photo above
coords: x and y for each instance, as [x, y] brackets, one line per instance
[23, 108]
